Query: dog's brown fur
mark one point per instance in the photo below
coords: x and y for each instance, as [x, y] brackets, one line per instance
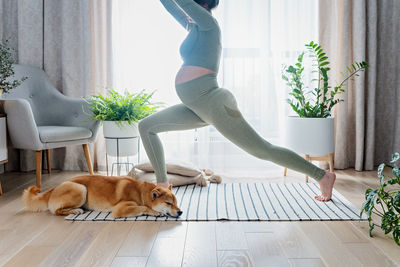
[123, 196]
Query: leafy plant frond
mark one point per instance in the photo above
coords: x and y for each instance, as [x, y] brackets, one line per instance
[388, 201]
[130, 107]
[325, 97]
[7, 69]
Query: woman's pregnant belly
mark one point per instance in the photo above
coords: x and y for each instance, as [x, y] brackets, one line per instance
[188, 73]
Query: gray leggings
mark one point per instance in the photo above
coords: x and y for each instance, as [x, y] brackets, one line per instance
[205, 103]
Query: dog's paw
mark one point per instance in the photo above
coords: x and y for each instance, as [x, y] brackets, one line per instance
[77, 211]
[155, 213]
[215, 178]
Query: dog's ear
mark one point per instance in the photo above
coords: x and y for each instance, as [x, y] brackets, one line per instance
[155, 193]
[170, 187]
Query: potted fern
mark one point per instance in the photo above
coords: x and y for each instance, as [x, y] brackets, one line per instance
[120, 114]
[7, 69]
[312, 131]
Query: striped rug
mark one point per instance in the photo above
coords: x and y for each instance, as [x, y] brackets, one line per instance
[247, 202]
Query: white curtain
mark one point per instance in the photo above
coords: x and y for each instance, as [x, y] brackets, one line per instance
[258, 37]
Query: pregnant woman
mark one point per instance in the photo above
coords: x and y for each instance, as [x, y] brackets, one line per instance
[205, 103]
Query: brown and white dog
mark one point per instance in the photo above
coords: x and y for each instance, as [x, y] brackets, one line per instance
[123, 196]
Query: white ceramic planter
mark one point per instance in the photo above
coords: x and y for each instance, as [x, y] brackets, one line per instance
[126, 136]
[312, 136]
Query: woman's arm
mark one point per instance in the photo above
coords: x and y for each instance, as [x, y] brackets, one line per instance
[198, 14]
[176, 12]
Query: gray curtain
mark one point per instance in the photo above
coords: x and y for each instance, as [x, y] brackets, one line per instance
[62, 37]
[367, 124]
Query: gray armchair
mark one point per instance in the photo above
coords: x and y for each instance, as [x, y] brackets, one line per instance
[40, 118]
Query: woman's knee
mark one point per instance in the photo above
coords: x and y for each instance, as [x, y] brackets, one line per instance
[145, 125]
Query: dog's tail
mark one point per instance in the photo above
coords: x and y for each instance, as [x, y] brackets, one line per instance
[35, 202]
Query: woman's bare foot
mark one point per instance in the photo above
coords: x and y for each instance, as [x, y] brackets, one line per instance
[326, 186]
[163, 184]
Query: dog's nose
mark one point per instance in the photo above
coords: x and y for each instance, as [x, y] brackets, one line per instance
[180, 213]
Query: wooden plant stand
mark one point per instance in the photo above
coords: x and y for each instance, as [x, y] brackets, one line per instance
[327, 158]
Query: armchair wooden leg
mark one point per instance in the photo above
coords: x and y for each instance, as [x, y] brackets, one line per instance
[285, 172]
[48, 156]
[39, 168]
[331, 169]
[1, 189]
[88, 160]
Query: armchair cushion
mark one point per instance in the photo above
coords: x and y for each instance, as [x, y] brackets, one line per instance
[49, 134]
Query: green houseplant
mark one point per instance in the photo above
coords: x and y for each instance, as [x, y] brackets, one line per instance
[126, 107]
[311, 132]
[7, 69]
[319, 101]
[384, 201]
[120, 114]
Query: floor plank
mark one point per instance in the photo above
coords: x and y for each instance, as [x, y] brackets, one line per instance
[32, 254]
[200, 246]
[306, 263]
[139, 240]
[328, 245]
[166, 252]
[103, 249]
[172, 229]
[368, 255]
[234, 258]
[24, 227]
[259, 227]
[384, 243]
[55, 233]
[70, 251]
[346, 232]
[265, 250]
[230, 236]
[294, 243]
[41, 246]
[129, 262]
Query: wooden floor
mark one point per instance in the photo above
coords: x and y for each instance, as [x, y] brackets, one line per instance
[30, 239]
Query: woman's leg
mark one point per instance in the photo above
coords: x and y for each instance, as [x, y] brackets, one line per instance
[219, 108]
[174, 118]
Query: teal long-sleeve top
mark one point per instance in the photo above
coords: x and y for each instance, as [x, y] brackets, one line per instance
[202, 46]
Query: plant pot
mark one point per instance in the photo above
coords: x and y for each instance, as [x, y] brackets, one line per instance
[311, 136]
[122, 139]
